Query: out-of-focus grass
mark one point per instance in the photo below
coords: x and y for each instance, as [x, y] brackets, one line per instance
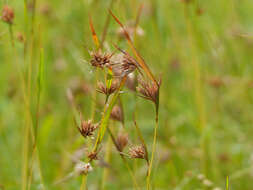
[202, 49]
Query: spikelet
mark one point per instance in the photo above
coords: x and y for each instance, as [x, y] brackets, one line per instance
[137, 152]
[87, 128]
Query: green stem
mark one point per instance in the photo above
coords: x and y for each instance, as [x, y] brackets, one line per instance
[153, 150]
[84, 181]
[107, 159]
[94, 105]
[25, 153]
[35, 129]
[27, 123]
[11, 35]
[198, 93]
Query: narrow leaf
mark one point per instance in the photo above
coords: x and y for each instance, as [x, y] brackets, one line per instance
[94, 35]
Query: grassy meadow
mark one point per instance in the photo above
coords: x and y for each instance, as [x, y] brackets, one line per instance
[199, 80]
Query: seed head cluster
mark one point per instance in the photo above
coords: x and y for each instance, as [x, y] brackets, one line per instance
[87, 128]
[7, 14]
[137, 152]
[149, 90]
[100, 59]
[128, 65]
[119, 71]
[122, 64]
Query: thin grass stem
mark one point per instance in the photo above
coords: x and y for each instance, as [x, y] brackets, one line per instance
[153, 151]
[198, 93]
[84, 181]
[107, 159]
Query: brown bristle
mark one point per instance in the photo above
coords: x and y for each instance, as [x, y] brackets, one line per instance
[87, 128]
[100, 59]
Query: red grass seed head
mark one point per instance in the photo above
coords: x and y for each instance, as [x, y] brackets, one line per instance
[7, 14]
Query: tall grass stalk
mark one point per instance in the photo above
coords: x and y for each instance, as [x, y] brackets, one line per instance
[227, 183]
[107, 159]
[29, 131]
[35, 154]
[27, 119]
[198, 92]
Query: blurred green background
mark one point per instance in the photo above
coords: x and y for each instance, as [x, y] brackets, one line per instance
[201, 49]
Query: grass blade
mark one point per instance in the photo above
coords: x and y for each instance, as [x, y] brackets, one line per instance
[93, 32]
